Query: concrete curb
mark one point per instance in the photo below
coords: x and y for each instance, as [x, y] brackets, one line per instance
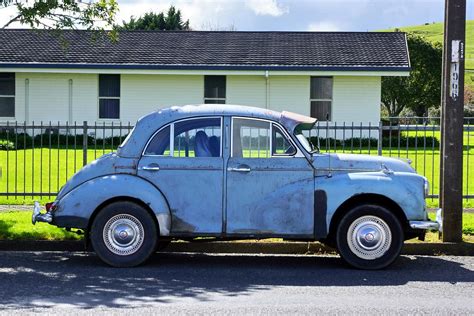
[301, 248]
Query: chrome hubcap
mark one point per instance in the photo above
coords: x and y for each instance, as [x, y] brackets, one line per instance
[123, 234]
[369, 237]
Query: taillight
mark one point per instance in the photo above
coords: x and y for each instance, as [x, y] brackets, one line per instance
[49, 206]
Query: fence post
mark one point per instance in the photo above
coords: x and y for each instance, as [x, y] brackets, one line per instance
[84, 143]
[379, 142]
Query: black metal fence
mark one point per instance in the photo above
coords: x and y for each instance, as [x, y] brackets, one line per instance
[37, 159]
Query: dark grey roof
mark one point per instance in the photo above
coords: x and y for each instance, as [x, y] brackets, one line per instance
[207, 50]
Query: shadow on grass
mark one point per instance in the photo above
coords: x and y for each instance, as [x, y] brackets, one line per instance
[81, 281]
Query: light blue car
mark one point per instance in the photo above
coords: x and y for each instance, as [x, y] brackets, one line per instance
[236, 172]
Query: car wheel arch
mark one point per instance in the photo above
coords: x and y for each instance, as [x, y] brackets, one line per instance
[366, 198]
[122, 199]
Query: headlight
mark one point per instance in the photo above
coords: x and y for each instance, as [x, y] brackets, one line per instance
[426, 188]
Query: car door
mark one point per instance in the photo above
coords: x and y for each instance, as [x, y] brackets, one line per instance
[184, 161]
[269, 182]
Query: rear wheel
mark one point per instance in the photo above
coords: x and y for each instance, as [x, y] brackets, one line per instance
[124, 234]
[369, 237]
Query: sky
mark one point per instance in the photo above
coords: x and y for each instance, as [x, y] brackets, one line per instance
[291, 15]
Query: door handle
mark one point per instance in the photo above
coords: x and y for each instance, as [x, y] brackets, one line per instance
[239, 169]
[152, 167]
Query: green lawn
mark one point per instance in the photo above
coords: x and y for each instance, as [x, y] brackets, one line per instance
[16, 225]
[434, 33]
[35, 170]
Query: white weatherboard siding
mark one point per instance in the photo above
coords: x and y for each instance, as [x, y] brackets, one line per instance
[142, 94]
[290, 93]
[61, 96]
[356, 99]
[246, 90]
[48, 97]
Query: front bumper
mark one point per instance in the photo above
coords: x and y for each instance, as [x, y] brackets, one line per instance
[429, 225]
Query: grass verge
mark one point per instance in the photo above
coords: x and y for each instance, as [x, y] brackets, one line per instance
[16, 225]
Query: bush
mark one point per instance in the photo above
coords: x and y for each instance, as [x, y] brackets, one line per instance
[47, 140]
[357, 142]
[6, 145]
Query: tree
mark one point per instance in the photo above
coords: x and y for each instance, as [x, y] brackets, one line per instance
[215, 26]
[468, 96]
[422, 88]
[57, 15]
[468, 101]
[171, 21]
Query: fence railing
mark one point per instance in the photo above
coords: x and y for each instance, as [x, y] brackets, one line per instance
[37, 159]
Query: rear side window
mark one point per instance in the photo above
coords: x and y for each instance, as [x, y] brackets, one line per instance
[201, 137]
[160, 144]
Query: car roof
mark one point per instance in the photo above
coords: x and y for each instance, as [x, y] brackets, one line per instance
[177, 112]
[148, 124]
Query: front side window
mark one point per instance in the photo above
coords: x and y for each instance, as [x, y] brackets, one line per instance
[109, 96]
[7, 95]
[189, 138]
[214, 89]
[259, 139]
[321, 98]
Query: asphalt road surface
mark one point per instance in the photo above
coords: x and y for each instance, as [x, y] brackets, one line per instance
[78, 283]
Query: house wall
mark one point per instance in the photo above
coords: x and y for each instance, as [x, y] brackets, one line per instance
[357, 99]
[74, 97]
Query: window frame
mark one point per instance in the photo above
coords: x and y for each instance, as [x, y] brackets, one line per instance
[323, 99]
[278, 125]
[13, 96]
[171, 141]
[108, 98]
[214, 99]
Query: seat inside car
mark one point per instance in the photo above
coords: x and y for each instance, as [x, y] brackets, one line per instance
[202, 145]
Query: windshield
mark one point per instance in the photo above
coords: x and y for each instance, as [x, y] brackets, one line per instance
[305, 141]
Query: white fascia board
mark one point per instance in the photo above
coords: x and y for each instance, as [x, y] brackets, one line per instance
[207, 72]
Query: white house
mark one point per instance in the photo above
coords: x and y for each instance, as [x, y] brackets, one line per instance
[74, 77]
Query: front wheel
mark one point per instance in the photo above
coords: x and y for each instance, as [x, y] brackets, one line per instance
[369, 237]
[124, 234]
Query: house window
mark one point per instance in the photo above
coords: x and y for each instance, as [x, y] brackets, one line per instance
[109, 96]
[214, 89]
[321, 98]
[7, 95]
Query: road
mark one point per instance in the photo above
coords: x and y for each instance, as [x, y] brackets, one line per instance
[78, 283]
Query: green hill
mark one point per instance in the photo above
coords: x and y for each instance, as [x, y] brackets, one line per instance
[434, 33]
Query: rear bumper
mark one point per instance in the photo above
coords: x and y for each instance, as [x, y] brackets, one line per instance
[429, 225]
[37, 216]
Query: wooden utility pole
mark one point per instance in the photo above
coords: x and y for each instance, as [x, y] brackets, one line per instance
[452, 103]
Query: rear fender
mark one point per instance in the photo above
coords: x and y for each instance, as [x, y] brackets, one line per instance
[77, 207]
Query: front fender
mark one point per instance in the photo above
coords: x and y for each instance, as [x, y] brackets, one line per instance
[75, 209]
[405, 189]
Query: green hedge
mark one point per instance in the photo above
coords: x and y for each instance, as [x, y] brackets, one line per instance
[6, 145]
[357, 142]
[25, 141]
